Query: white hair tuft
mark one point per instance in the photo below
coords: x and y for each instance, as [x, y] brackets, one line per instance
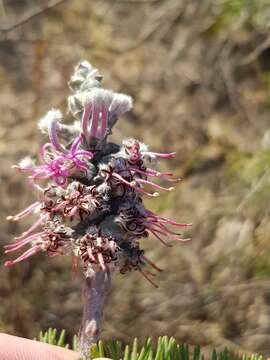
[54, 115]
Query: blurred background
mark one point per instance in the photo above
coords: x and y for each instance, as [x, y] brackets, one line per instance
[199, 71]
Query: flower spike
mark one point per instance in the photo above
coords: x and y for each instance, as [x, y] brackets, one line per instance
[90, 196]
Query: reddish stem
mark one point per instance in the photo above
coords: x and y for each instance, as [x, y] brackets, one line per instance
[94, 294]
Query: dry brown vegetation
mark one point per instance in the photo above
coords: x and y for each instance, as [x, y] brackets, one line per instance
[199, 74]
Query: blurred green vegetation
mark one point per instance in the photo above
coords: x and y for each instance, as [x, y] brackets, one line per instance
[248, 167]
[244, 14]
[165, 348]
[261, 266]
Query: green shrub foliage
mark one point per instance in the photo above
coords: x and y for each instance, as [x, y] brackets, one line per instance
[164, 349]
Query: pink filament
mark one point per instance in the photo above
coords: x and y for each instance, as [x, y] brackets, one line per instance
[22, 242]
[139, 171]
[73, 211]
[151, 263]
[162, 155]
[60, 206]
[101, 262]
[59, 165]
[91, 256]
[85, 119]
[75, 145]
[18, 246]
[170, 234]
[153, 173]
[32, 228]
[54, 138]
[158, 237]
[30, 252]
[157, 173]
[142, 181]
[23, 213]
[95, 119]
[133, 186]
[161, 228]
[140, 190]
[119, 177]
[150, 172]
[148, 279]
[147, 272]
[166, 220]
[104, 119]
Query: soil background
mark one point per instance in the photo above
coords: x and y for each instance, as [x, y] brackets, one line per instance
[199, 72]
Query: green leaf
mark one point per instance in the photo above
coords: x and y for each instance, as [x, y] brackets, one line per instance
[126, 353]
[94, 351]
[61, 340]
[159, 353]
[196, 353]
[214, 355]
[101, 349]
[134, 352]
[74, 343]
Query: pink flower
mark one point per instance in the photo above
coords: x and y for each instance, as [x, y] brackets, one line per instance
[58, 163]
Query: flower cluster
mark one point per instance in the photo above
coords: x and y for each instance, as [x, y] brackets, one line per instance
[90, 191]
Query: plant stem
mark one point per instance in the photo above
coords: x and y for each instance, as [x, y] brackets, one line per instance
[94, 294]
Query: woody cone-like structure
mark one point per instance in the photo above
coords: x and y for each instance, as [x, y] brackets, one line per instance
[90, 196]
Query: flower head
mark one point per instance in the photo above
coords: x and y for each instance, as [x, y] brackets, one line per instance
[90, 192]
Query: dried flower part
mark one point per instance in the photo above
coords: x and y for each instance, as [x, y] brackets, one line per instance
[90, 192]
[99, 250]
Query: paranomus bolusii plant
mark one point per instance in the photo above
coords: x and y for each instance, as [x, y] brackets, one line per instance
[90, 196]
